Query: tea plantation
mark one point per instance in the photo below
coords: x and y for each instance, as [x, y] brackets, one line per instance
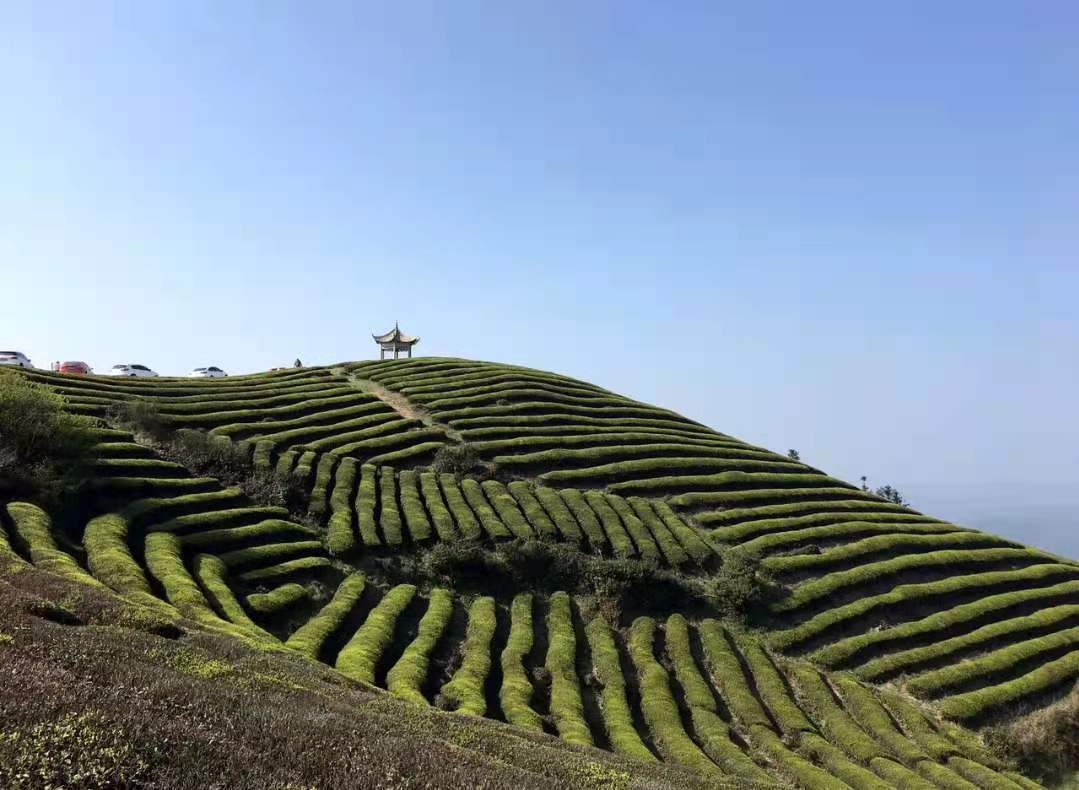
[484, 540]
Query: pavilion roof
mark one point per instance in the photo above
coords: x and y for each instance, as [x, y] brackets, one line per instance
[395, 335]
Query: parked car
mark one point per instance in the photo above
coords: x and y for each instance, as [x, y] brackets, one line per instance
[130, 370]
[77, 368]
[15, 359]
[210, 372]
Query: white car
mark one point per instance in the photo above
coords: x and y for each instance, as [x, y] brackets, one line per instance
[130, 370]
[211, 372]
[15, 358]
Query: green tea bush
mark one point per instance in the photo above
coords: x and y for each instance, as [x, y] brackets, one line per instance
[33, 530]
[267, 554]
[340, 534]
[285, 570]
[772, 690]
[490, 521]
[1050, 618]
[658, 706]
[415, 516]
[359, 657]
[436, 506]
[612, 525]
[835, 762]
[164, 559]
[534, 513]
[867, 711]
[464, 692]
[585, 518]
[690, 539]
[406, 678]
[802, 772]
[898, 775]
[463, 516]
[726, 674]
[642, 538]
[389, 515]
[505, 507]
[880, 546]
[567, 707]
[318, 501]
[617, 715]
[873, 572]
[994, 663]
[765, 496]
[762, 524]
[671, 549]
[280, 599]
[787, 540]
[989, 583]
[560, 514]
[310, 637]
[515, 693]
[334, 436]
[713, 734]
[212, 576]
[836, 724]
[831, 508]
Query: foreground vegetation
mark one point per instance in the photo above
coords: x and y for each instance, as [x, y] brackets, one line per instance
[496, 541]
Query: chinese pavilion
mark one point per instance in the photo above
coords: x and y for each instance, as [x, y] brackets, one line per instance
[395, 341]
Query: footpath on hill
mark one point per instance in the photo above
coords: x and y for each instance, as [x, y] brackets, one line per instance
[400, 403]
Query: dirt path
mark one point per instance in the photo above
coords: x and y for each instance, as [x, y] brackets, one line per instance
[400, 403]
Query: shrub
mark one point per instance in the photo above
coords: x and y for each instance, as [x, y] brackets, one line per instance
[459, 459]
[39, 441]
[266, 488]
[205, 454]
[1045, 743]
[739, 589]
[140, 416]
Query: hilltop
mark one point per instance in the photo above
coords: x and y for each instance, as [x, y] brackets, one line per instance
[441, 572]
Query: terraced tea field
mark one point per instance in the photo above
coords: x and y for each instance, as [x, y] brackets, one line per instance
[887, 635]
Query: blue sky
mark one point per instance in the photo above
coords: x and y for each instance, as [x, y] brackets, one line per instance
[840, 227]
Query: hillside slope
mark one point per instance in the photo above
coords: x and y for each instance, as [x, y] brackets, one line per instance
[460, 528]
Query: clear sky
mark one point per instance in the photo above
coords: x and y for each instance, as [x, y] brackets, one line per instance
[848, 228]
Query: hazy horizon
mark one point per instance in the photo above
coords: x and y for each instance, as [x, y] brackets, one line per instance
[845, 230]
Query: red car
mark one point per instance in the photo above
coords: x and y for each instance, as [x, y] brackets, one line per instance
[78, 368]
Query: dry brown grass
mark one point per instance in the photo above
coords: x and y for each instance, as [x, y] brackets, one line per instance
[1045, 742]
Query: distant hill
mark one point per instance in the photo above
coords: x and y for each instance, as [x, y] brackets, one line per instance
[587, 571]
